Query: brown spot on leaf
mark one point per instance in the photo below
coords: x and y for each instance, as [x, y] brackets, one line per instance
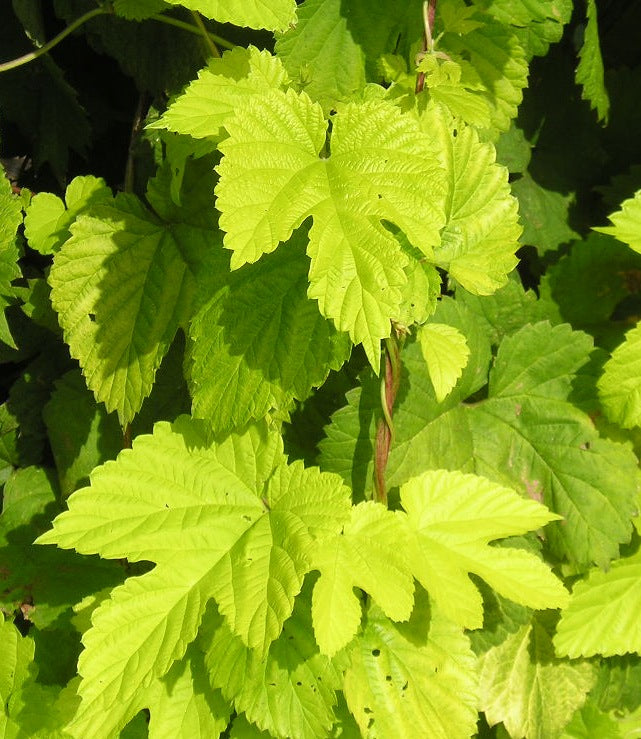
[534, 489]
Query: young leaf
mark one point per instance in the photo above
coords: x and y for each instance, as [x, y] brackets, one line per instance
[273, 15]
[364, 555]
[446, 353]
[48, 219]
[482, 231]
[415, 679]
[222, 86]
[602, 616]
[494, 62]
[381, 167]
[589, 72]
[526, 688]
[626, 223]
[230, 521]
[289, 692]
[259, 342]
[451, 519]
[620, 384]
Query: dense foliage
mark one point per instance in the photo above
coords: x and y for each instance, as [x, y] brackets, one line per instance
[321, 369]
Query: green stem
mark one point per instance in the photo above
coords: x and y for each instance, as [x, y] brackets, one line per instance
[206, 37]
[211, 39]
[192, 29]
[32, 55]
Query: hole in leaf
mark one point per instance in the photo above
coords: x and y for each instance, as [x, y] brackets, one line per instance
[92, 317]
[376, 652]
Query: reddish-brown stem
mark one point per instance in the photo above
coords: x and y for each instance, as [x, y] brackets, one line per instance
[385, 431]
[429, 14]
[126, 437]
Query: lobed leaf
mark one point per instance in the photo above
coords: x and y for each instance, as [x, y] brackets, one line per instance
[526, 435]
[364, 555]
[451, 519]
[381, 168]
[258, 341]
[289, 692]
[229, 521]
[225, 84]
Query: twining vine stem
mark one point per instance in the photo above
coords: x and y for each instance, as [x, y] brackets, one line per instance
[429, 13]
[211, 39]
[391, 375]
[33, 55]
[390, 383]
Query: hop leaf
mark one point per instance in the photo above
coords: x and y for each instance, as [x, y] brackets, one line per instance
[273, 15]
[415, 679]
[451, 518]
[230, 521]
[209, 101]
[620, 385]
[446, 353]
[526, 688]
[602, 615]
[627, 223]
[480, 239]
[381, 167]
[365, 555]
